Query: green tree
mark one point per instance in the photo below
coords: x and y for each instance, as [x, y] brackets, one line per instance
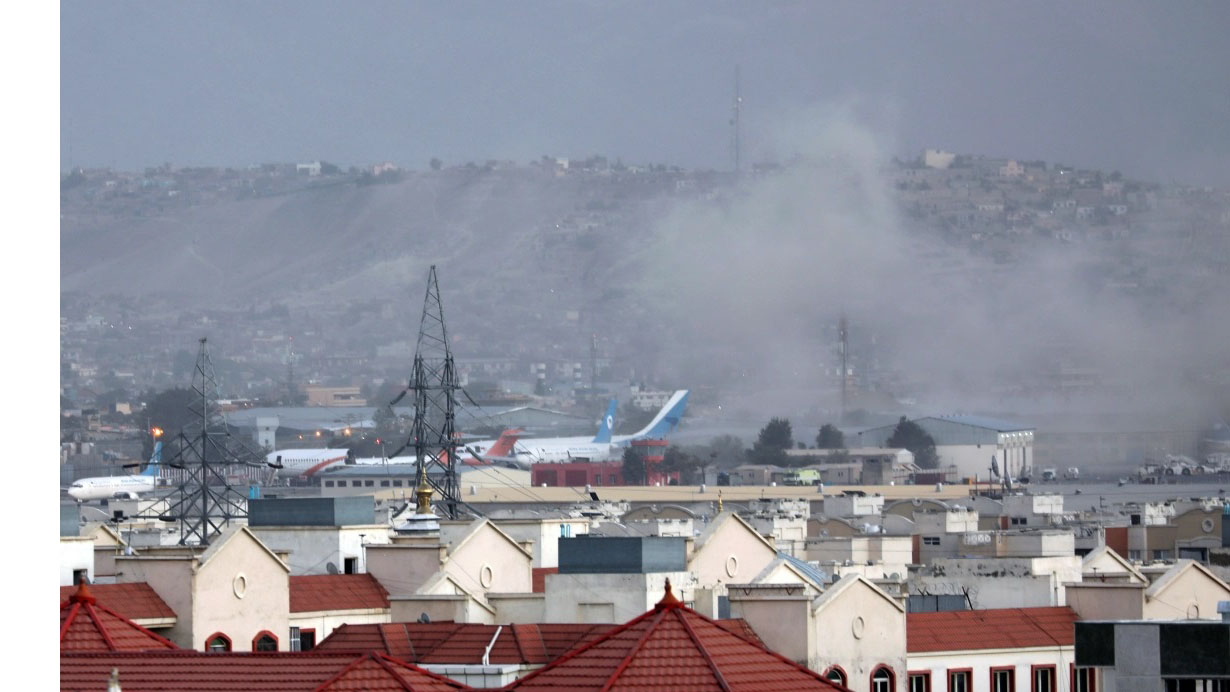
[910, 435]
[830, 437]
[633, 466]
[771, 445]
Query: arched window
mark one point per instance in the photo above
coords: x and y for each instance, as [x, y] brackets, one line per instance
[882, 679]
[835, 675]
[265, 641]
[218, 642]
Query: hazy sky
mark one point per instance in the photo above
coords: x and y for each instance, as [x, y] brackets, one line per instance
[1139, 86]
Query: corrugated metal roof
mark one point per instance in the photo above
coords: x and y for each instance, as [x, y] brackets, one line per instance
[987, 422]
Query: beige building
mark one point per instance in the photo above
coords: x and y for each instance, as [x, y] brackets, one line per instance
[225, 597]
[851, 633]
[449, 576]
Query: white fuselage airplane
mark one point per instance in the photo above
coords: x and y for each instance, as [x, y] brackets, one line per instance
[305, 462]
[603, 446]
[126, 487]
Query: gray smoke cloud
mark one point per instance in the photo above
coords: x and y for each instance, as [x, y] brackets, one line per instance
[752, 284]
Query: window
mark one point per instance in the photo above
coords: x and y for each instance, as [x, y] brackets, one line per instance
[328, 484]
[565, 530]
[396, 482]
[836, 675]
[1003, 680]
[1134, 555]
[265, 641]
[1083, 680]
[612, 479]
[1018, 521]
[1043, 678]
[369, 484]
[384, 484]
[350, 565]
[302, 639]
[354, 484]
[1192, 685]
[597, 479]
[920, 682]
[218, 642]
[80, 576]
[1161, 555]
[959, 680]
[931, 540]
[882, 679]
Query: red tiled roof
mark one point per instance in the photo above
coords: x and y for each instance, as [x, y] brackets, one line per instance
[137, 601]
[317, 592]
[1004, 628]
[86, 625]
[672, 647]
[538, 578]
[195, 671]
[461, 643]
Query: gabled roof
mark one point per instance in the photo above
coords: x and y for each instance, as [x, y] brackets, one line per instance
[831, 593]
[277, 672]
[1003, 628]
[672, 647]
[227, 535]
[136, 600]
[1163, 582]
[375, 672]
[321, 592]
[1103, 553]
[464, 643]
[85, 625]
[718, 522]
[476, 526]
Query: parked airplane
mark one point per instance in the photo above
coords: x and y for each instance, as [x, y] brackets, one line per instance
[126, 487]
[305, 462]
[604, 446]
[491, 451]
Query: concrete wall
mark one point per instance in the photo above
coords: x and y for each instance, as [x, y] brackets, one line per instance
[487, 561]
[76, 553]
[781, 618]
[939, 663]
[1193, 595]
[545, 533]
[325, 622]
[609, 597]
[1101, 601]
[518, 608]
[241, 591]
[733, 553]
[402, 569]
[859, 630]
[312, 548]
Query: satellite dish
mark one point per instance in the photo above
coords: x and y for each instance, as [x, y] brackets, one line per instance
[424, 618]
[331, 568]
[994, 466]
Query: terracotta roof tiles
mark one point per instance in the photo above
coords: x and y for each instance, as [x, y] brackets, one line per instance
[321, 592]
[86, 625]
[672, 647]
[194, 671]
[137, 600]
[1003, 628]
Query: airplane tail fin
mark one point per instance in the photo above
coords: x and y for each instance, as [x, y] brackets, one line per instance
[504, 446]
[667, 419]
[155, 460]
[608, 424]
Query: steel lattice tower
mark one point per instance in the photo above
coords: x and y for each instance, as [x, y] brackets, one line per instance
[205, 502]
[434, 383]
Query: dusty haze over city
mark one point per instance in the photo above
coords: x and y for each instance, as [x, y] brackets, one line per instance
[740, 289]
